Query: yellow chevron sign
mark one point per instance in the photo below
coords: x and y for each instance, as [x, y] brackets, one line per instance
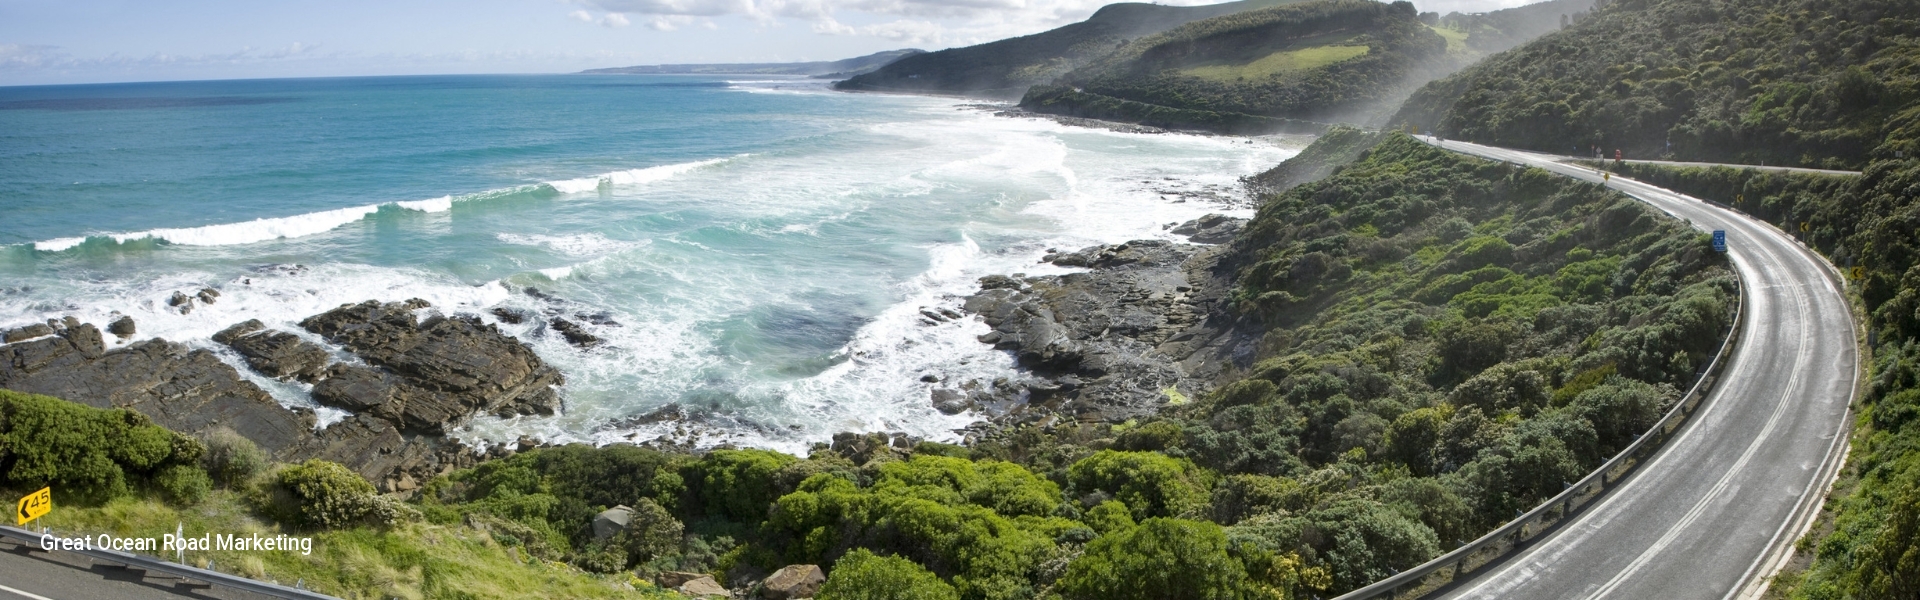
[34, 505]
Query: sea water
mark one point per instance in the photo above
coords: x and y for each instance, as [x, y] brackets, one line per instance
[759, 252]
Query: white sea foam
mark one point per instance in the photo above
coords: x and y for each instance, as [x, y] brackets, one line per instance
[632, 176]
[431, 205]
[257, 230]
[268, 229]
[58, 244]
[583, 244]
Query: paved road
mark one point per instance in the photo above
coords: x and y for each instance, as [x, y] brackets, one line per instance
[1673, 163]
[30, 574]
[1714, 511]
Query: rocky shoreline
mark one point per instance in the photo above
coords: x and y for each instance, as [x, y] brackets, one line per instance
[1142, 328]
[408, 382]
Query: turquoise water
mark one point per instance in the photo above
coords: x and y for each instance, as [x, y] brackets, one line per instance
[758, 251]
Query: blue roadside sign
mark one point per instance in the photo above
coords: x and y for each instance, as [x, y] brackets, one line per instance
[1719, 240]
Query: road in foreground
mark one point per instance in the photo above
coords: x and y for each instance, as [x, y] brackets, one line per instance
[1714, 511]
[31, 574]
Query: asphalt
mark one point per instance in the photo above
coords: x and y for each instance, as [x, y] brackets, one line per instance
[1716, 510]
[1676, 163]
[28, 573]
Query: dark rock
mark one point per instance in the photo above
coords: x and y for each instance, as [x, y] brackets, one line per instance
[122, 327]
[1104, 344]
[603, 319]
[361, 390]
[192, 391]
[948, 401]
[1211, 229]
[276, 354]
[574, 333]
[208, 295]
[452, 366]
[511, 316]
[999, 282]
[36, 330]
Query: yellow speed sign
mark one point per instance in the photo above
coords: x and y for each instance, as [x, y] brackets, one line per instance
[34, 505]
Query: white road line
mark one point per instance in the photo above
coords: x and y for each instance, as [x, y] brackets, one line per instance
[23, 594]
[1719, 487]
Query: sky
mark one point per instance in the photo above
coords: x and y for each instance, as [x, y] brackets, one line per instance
[95, 41]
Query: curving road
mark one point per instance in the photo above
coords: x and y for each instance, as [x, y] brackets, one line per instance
[1714, 512]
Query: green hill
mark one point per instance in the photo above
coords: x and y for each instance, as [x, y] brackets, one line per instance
[1801, 82]
[1825, 83]
[1269, 69]
[1316, 60]
[1007, 67]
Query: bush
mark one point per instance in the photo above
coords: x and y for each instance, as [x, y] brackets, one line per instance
[327, 495]
[862, 575]
[1162, 559]
[86, 454]
[232, 459]
[737, 484]
[1151, 485]
[185, 485]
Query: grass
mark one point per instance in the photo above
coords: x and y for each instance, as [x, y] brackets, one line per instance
[411, 561]
[1277, 63]
[1456, 40]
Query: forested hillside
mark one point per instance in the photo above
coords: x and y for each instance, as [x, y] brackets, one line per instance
[1800, 82]
[1007, 67]
[1793, 82]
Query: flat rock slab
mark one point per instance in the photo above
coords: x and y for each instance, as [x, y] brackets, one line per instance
[276, 354]
[454, 366]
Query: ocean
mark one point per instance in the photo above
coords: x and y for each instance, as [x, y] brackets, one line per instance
[756, 250]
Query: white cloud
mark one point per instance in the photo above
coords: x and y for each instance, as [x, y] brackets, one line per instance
[916, 21]
[607, 20]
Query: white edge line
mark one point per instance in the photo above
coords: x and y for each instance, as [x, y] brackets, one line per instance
[23, 594]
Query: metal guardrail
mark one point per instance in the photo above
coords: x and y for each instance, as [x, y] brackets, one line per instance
[1465, 560]
[148, 563]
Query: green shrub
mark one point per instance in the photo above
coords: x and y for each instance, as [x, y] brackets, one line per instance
[1162, 559]
[232, 459]
[1109, 516]
[1150, 484]
[185, 485]
[326, 495]
[1359, 541]
[862, 575]
[737, 484]
[86, 454]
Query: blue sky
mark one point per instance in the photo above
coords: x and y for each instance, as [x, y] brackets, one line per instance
[86, 41]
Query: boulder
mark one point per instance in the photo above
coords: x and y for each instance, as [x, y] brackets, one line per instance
[121, 327]
[704, 587]
[208, 295]
[793, 581]
[1211, 229]
[574, 333]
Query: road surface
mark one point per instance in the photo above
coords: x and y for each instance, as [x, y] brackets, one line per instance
[1712, 514]
[30, 574]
